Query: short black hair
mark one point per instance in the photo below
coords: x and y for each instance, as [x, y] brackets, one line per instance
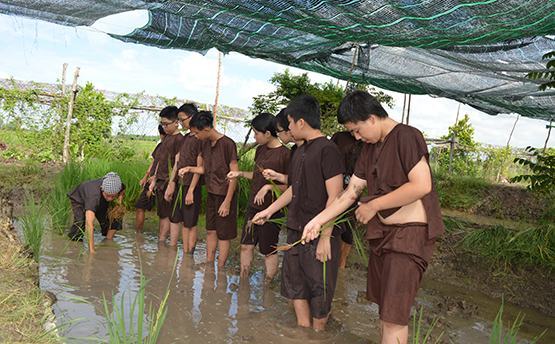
[305, 107]
[358, 106]
[161, 129]
[189, 109]
[281, 120]
[201, 120]
[169, 112]
[265, 122]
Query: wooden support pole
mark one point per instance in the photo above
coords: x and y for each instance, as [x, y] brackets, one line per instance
[408, 108]
[217, 86]
[64, 69]
[404, 107]
[65, 155]
[549, 126]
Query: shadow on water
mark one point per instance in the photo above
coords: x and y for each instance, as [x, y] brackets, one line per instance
[214, 306]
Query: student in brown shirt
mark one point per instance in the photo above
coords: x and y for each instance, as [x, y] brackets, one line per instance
[402, 213]
[219, 156]
[315, 178]
[270, 154]
[146, 200]
[284, 135]
[165, 158]
[350, 149]
[185, 210]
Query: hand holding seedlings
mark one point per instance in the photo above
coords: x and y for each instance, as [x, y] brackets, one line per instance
[261, 217]
[234, 174]
[183, 171]
[168, 195]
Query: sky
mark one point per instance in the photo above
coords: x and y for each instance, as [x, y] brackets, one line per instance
[35, 50]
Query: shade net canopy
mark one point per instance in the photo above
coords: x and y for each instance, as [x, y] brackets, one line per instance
[476, 52]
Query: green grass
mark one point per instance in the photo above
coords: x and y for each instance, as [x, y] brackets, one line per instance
[34, 221]
[501, 334]
[528, 247]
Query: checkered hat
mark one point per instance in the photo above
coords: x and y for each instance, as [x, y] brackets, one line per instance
[111, 183]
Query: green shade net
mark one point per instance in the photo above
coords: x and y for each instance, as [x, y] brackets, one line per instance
[477, 52]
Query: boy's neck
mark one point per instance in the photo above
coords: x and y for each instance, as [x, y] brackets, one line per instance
[215, 135]
[273, 143]
[312, 134]
[387, 125]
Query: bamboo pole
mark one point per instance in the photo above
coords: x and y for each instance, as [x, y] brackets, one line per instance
[408, 108]
[217, 86]
[64, 69]
[404, 107]
[65, 155]
[549, 126]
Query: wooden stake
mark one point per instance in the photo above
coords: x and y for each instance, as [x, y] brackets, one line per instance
[404, 107]
[65, 155]
[217, 86]
[549, 126]
[512, 130]
[64, 69]
[408, 108]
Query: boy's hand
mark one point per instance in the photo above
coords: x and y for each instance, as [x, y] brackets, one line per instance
[261, 217]
[323, 249]
[150, 191]
[270, 174]
[183, 171]
[189, 198]
[261, 194]
[169, 191]
[233, 174]
[142, 182]
[365, 212]
[223, 211]
[311, 231]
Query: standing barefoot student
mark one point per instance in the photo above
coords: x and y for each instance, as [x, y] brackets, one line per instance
[187, 210]
[315, 178]
[270, 153]
[284, 135]
[403, 214]
[146, 199]
[350, 148]
[219, 156]
[165, 161]
[90, 200]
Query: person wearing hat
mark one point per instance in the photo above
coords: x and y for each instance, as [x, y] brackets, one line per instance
[90, 200]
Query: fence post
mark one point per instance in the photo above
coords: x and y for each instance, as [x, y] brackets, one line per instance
[65, 155]
[451, 152]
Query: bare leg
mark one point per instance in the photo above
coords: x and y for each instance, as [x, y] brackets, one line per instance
[246, 259]
[223, 246]
[211, 243]
[110, 234]
[139, 219]
[393, 333]
[345, 249]
[302, 311]
[174, 233]
[189, 237]
[164, 229]
[320, 324]
[271, 263]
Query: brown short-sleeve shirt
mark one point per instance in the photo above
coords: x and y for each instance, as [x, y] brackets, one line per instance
[313, 163]
[385, 167]
[154, 161]
[165, 156]
[275, 158]
[190, 150]
[217, 158]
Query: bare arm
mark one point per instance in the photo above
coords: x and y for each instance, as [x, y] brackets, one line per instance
[196, 176]
[174, 169]
[232, 186]
[89, 226]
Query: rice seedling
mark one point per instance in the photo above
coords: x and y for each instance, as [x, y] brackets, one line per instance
[135, 332]
[419, 336]
[34, 222]
[508, 335]
[179, 197]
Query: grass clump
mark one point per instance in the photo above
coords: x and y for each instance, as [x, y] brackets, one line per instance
[34, 221]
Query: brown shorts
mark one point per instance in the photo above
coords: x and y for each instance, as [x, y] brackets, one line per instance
[396, 265]
[144, 202]
[266, 235]
[188, 214]
[225, 227]
[163, 208]
[303, 275]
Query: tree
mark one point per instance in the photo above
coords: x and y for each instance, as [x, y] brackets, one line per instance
[542, 168]
[328, 94]
[464, 150]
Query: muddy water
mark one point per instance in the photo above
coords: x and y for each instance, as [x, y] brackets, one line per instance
[211, 306]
